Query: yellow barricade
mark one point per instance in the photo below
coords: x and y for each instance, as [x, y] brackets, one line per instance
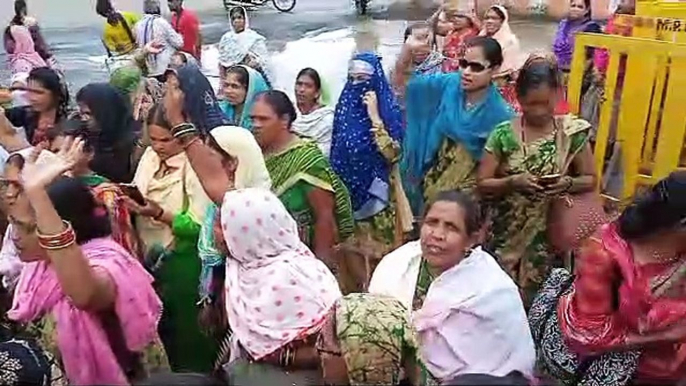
[667, 29]
[651, 119]
[674, 9]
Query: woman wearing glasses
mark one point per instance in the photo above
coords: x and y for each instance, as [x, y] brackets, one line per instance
[449, 117]
[497, 26]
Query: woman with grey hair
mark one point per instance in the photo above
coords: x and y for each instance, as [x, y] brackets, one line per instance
[154, 28]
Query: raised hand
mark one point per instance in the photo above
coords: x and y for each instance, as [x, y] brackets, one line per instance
[173, 104]
[370, 100]
[38, 177]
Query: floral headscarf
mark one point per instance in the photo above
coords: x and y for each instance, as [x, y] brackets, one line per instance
[277, 291]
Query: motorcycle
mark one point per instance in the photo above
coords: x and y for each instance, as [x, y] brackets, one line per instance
[281, 5]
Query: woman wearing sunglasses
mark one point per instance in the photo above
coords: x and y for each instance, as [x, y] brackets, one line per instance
[449, 117]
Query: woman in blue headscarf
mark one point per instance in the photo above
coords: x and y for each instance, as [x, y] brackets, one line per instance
[449, 118]
[240, 86]
[366, 146]
[200, 105]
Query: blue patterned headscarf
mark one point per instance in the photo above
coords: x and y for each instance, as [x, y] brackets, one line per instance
[355, 156]
[200, 104]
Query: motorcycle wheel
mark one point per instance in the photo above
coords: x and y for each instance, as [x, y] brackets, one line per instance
[284, 5]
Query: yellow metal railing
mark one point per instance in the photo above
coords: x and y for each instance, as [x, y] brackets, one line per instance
[674, 9]
[668, 29]
[651, 118]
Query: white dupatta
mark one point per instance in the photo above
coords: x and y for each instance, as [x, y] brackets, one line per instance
[472, 320]
[317, 125]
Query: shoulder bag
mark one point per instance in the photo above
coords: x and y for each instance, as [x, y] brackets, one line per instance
[572, 218]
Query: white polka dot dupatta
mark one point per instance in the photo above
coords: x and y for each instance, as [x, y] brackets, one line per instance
[277, 291]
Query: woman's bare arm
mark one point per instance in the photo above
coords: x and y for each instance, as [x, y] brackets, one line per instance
[401, 72]
[583, 164]
[207, 165]
[323, 205]
[488, 183]
[87, 289]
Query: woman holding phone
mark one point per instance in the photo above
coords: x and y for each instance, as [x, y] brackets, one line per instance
[523, 168]
[169, 226]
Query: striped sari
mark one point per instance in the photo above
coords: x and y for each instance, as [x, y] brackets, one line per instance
[295, 172]
[109, 195]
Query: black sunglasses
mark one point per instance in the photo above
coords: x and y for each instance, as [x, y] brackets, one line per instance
[473, 66]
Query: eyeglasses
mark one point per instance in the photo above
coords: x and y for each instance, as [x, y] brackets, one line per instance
[5, 184]
[473, 66]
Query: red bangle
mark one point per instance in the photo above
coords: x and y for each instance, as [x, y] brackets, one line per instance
[61, 240]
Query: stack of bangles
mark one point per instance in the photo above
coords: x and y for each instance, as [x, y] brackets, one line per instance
[186, 133]
[62, 240]
[287, 357]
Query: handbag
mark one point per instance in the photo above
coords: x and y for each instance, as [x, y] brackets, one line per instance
[572, 218]
[614, 368]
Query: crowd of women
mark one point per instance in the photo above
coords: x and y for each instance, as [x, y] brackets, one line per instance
[158, 232]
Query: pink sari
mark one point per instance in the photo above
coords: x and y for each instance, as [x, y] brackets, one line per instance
[24, 58]
[649, 297]
[86, 352]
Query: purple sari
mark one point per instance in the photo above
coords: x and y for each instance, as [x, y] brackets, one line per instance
[563, 46]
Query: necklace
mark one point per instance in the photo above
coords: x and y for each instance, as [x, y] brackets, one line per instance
[664, 257]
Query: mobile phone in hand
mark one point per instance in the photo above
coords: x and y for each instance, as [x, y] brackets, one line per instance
[132, 192]
[549, 179]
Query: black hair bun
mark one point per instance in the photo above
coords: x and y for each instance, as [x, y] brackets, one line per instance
[662, 207]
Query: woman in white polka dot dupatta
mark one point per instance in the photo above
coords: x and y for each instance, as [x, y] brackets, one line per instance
[277, 292]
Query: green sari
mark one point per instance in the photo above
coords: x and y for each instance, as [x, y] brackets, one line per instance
[177, 270]
[188, 348]
[295, 172]
[374, 335]
[519, 221]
